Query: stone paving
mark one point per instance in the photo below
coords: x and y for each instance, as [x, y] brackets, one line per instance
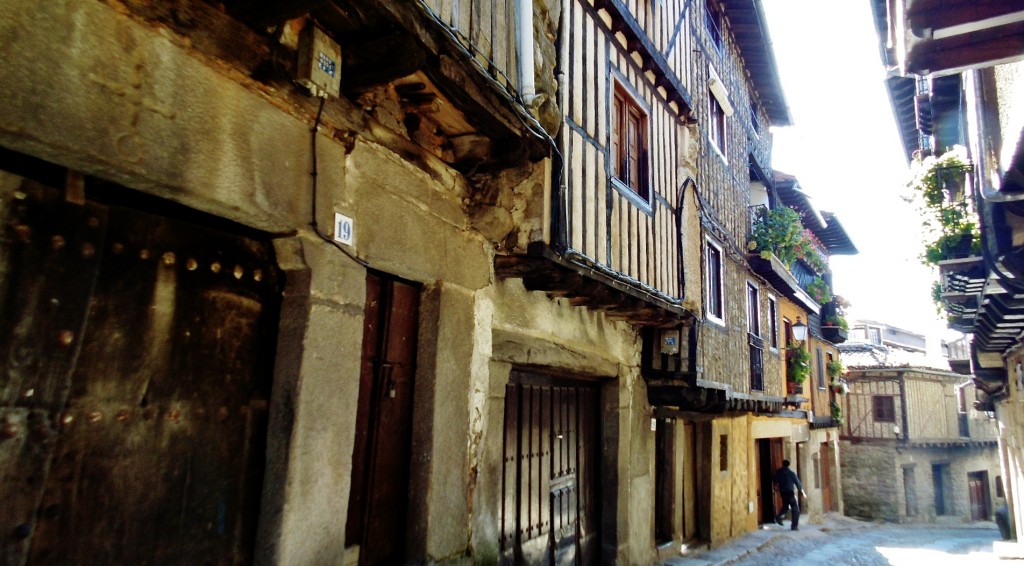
[770, 535]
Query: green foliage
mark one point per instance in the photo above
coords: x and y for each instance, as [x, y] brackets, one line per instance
[937, 297]
[937, 186]
[965, 241]
[835, 369]
[819, 290]
[837, 320]
[798, 363]
[779, 232]
[837, 411]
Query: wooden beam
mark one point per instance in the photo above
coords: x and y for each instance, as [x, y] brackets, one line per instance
[274, 12]
[380, 60]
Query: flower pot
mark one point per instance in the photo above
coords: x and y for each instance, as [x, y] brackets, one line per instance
[835, 334]
[794, 388]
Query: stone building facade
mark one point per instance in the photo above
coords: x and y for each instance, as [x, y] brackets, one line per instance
[913, 450]
[969, 84]
[278, 328]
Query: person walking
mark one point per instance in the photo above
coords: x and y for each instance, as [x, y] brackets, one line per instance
[787, 483]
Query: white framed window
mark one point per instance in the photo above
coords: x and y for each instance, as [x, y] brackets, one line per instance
[753, 309]
[773, 323]
[719, 109]
[715, 282]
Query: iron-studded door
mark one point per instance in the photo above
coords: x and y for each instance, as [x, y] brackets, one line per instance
[379, 498]
[551, 479]
[137, 353]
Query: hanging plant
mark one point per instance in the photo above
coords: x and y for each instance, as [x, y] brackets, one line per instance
[840, 387]
[937, 297]
[798, 363]
[835, 369]
[937, 186]
[808, 252]
[780, 233]
[836, 320]
[837, 411]
[819, 290]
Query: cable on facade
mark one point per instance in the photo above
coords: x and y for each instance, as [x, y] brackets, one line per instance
[313, 224]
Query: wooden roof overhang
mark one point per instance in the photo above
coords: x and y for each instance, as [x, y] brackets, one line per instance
[825, 225]
[935, 113]
[947, 36]
[834, 236]
[397, 42]
[594, 286]
[950, 36]
[749, 28]
[952, 443]
[673, 399]
[665, 79]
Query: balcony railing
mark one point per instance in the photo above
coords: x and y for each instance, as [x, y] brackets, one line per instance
[487, 29]
[756, 363]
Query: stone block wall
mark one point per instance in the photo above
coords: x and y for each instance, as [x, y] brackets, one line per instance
[872, 486]
[960, 462]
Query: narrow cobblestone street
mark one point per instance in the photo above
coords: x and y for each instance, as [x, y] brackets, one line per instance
[841, 540]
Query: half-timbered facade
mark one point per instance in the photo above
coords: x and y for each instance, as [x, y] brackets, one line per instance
[914, 448]
[353, 281]
[791, 242]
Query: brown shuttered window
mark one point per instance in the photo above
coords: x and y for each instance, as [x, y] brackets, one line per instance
[629, 144]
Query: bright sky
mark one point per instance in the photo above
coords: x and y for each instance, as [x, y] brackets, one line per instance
[845, 150]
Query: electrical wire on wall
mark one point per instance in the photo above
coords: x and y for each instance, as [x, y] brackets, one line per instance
[314, 173]
[516, 102]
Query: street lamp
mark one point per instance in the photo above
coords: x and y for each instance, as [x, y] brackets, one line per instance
[799, 330]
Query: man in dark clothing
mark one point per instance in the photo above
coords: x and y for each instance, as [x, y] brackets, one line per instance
[788, 483]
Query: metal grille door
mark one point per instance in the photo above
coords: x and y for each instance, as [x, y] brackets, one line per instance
[551, 472]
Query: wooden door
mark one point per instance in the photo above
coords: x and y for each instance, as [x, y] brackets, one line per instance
[551, 479]
[825, 456]
[769, 459]
[689, 501]
[939, 484]
[977, 489]
[379, 497]
[664, 480]
[136, 353]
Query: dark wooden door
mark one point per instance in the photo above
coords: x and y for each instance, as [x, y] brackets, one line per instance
[769, 459]
[379, 498]
[939, 483]
[825, 456]
[137, 353]
[664, 480]
[551, 479]
[977, 489]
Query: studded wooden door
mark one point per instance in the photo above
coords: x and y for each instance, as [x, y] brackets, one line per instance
[551, 472]
[136, 354]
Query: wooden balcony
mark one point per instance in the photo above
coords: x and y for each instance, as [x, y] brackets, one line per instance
[782, 280]
[571, 276]
[454, 67]
[835, 334]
